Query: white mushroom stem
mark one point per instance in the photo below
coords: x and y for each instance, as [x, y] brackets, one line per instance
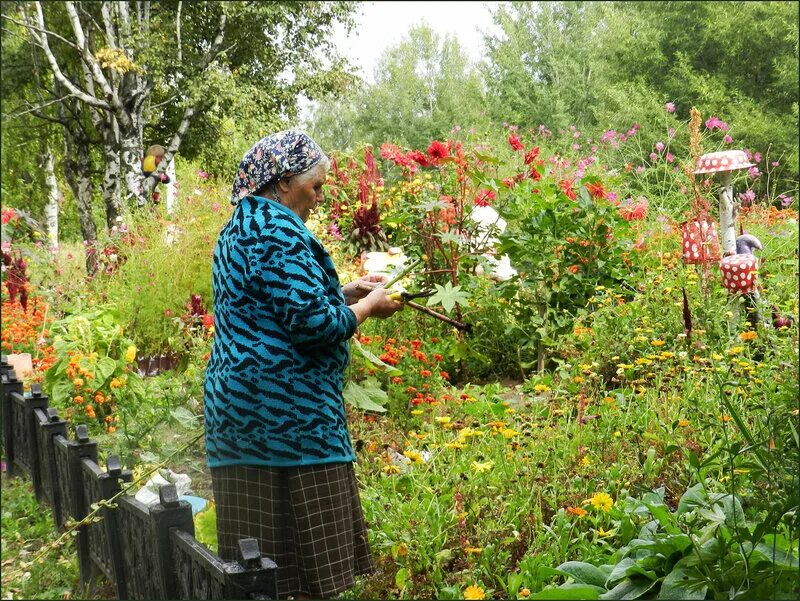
[727, 214]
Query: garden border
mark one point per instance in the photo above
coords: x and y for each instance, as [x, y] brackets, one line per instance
[148, 552]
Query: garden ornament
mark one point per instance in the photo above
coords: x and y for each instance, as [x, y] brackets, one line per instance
[723, 163]
[740, 273]
[700, 242]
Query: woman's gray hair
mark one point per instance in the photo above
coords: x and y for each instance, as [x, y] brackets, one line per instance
[323, 162]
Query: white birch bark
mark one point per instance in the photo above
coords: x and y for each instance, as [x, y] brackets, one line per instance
[51, 208]
[727, 214]
[171, 202]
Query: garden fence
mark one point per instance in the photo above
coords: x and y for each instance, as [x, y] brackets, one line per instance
[148, 552]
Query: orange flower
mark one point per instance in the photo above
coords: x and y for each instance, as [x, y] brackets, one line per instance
[749, 335]
[577, 511]
[573, 268]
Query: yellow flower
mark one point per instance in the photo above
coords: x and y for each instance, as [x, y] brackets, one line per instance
[443, 419]
[472, 550]
[509, 432]
[416, 412]
[523, 592]
[683, 423]
[482, 467]
[604, 533]
[455, 445]
[473, 592]
[130, 354]
[585, 462]
[577, 511]
[735, 350]
[617, 433]
[657, 342]
[541, 388]
[602, 501]
[391, 469]
[413, 455]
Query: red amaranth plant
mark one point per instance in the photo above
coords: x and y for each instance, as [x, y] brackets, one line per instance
[17, 278]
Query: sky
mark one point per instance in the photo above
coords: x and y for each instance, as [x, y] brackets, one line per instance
[380, 25]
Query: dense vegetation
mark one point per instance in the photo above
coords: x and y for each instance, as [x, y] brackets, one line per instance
[613, 424]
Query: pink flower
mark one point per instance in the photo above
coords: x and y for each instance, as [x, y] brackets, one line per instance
[671, 132]
[753, 172]
[659, 146]
[202, 174]
[747, 197]
[640, 169]
[438, 150]
[612, 196]
[716, 123]
[757, 157]
[775, 164]
[670, 157]
[608, 136]
[727, 139]
[576, 147]
[785, 200]
[670, 107]
[215, 207]
[653, 156]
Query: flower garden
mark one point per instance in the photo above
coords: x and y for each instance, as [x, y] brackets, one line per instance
[613, 423]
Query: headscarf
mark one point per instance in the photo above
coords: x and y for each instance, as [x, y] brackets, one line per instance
[272, 157]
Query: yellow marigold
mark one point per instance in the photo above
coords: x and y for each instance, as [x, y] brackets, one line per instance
[541, 388]
[444, 419]
[602, 501]
[509, 432]
[473, 592]
[416, 412]
[657, 342]
[524, 592]
[735, 350]
[391, 469]
[577, 511]
[455, 445]
[130, 354]
[683, 423]
[77, 382]
[413, 455]
[482, 467]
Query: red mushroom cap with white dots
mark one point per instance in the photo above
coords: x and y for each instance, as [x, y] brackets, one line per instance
[727, 160]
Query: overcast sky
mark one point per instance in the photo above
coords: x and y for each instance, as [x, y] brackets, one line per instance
[380, 25]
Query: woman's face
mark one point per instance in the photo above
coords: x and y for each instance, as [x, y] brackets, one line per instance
[303, 193]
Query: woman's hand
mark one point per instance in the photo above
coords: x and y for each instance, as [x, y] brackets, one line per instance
[358, 289]
[376, 304]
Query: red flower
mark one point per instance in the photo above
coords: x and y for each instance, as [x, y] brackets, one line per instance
[535, 175]
[531, 155]
[573, 268]
[208, 321]
[596, 190]
[418, 157]
[9, 215]
[438, 150]
[515, 142]
[484, 198]
[566, 188]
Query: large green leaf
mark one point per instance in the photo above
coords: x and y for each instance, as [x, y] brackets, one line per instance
[61, 391]
[584, 572]
[367, 397]
[630, 589]
[693, 497]
[628, 567]
[567, 591]
[449, 296]
[103, 370]
[781, 558]
[676, 585]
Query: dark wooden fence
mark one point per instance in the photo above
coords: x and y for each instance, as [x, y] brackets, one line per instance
[148, 552]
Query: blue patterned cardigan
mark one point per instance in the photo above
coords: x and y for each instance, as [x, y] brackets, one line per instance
[273, 388]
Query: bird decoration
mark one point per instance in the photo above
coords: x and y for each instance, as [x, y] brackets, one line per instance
[780, 321]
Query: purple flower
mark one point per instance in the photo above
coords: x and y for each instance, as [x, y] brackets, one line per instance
[659, 146]
[727, 139]
[653, 156]
[785, 200]
[202, 174]
[747, 197]
[753, 172]
[611, 196]
[757, 157]
[716, 123]
[670, 107]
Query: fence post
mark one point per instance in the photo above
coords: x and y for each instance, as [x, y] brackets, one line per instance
[169, 513]
[51, 428]
[254, 576]
[10, 385]
[109, 487]
[79, 449]
[36, 400]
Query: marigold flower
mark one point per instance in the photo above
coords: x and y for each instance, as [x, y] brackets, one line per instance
[577, 511]
[749, 335]
[602, 501]
[472, 550]
[111, 429]
[474, 593]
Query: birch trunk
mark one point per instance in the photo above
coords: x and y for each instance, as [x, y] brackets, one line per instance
[77, 169]
[172, 188]
[727, 215]
[51, 208]
[111, 173]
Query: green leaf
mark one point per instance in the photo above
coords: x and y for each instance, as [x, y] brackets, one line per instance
[448, 295]
[629, 589]
[584, 572]
[369, 397]
[61, 392]
[205, 526]
[566, 591]
[374, 359]
[777, 556]
[401, 578]
[104, 369]
[184, 417]
[676, 586]
[628, 567]
[693, 497]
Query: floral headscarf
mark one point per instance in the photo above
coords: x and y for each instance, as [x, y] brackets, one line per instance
[283, 153]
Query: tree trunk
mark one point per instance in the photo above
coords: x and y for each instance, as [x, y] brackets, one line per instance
[77, 169]
[132, 164]
[172, 188]
[727, 215]
[112, 194]
[51, 209]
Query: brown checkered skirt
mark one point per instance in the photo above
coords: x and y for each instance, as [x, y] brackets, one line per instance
[307, 519]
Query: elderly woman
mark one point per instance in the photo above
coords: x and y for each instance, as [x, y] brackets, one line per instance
[278, 445]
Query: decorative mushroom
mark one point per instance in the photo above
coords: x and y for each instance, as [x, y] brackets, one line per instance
[700, 242]
[723, 163]
[740, 273]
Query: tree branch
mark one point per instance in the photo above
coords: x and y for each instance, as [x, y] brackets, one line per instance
[51, 59]
[178, 31]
